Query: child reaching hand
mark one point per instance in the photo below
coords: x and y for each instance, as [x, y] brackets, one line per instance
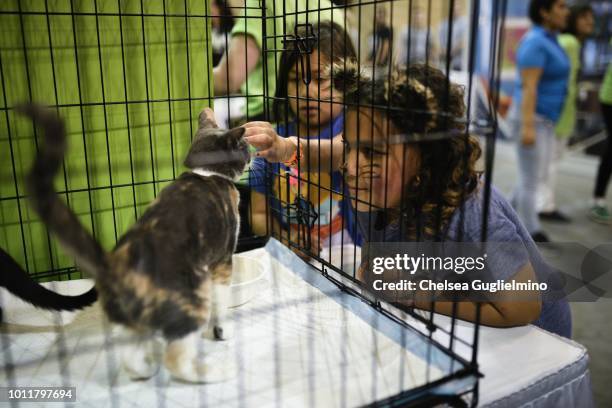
[410, 167]
[304, 207]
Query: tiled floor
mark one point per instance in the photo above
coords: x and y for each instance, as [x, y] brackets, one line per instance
[592, 322]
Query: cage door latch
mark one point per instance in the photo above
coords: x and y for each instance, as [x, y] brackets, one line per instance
[303, 45]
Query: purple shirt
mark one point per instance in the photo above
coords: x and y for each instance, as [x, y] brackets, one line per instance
[503, 226]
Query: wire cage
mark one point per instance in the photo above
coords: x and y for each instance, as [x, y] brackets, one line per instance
[130, 77]
[439, 34]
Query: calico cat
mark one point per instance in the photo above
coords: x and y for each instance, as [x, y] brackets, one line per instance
[170, 273]
[17, 281]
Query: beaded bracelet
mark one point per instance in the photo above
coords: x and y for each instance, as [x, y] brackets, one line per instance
[295, 157]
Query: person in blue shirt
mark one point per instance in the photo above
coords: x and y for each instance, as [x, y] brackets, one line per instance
[305, 207]
[540, 91]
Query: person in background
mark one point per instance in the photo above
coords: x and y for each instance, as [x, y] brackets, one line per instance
[221, 25]
[309, 111]
[381, 39]
[599, 211]
[459, 36]
[241, 69]
[580, 25]
[417, 42]
[540, 91]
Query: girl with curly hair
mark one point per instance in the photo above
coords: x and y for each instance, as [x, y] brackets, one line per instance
[411, 169]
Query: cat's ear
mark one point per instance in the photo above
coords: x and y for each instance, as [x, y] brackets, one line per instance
[235, 134]
[207, 119]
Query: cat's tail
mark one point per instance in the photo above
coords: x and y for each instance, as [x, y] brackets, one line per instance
[54, 212]
[19, 283]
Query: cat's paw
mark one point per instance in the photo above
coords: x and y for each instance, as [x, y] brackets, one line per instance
[225, 332]
[140, 368]
[221, 332]
[217, 372]
[200, 372]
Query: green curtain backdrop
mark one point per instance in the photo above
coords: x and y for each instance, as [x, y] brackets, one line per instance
[90, 58]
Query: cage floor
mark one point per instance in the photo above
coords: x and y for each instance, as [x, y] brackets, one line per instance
[295, 344]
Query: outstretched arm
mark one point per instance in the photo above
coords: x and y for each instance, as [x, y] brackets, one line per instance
[509, 308]
[318, 155]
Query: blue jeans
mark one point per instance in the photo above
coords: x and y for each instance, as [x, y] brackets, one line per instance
[533, 162]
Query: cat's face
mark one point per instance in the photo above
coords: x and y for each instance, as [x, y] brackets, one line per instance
[219, 150]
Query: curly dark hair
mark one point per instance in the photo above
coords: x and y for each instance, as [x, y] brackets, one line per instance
[420, 100]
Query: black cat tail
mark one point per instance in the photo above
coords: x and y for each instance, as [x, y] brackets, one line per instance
[56, 215]
[19, 283]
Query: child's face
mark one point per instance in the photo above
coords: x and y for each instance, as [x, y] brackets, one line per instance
[376, 171]
[585, 24]
[318, 110]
